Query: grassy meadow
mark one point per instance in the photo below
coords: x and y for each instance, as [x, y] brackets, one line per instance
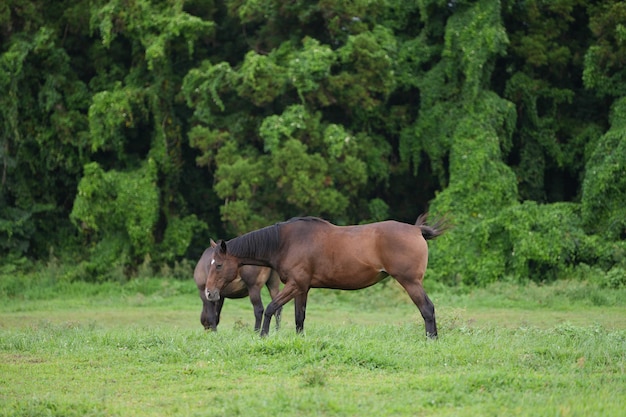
[138, 349]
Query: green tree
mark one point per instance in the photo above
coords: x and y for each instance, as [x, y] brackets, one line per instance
[134, 124]
[318, 167]
[604, 188]
[557, 117]
[131, 131]
[43, 123]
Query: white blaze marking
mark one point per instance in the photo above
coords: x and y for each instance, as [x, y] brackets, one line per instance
[212, 261]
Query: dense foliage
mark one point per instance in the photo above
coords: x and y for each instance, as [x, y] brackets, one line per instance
[131, 131]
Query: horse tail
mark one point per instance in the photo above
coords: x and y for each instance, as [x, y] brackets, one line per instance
[431, 232]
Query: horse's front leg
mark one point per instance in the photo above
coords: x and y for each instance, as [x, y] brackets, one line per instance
[218, 311]
[288, 292]
[300, 310]
[273, 285]
[257, 305]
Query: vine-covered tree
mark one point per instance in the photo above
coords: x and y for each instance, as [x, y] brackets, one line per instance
[131, 131]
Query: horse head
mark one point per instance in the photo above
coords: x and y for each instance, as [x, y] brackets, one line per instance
[222, 271]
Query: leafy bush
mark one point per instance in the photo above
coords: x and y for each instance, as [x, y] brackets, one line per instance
[604, 187]
[615, 278]
[524, 241]
[119, 211]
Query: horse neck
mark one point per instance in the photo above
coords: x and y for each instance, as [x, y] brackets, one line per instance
[257, 247]
[253, 261]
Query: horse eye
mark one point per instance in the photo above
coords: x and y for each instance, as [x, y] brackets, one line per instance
[218, 266]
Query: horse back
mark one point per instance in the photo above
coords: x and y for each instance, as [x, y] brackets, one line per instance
[386, 242]
[339, 253]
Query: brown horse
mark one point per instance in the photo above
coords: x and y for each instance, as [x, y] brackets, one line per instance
[313, 253]
[249, 280]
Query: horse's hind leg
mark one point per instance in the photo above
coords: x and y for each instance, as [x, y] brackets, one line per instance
[429, 318]
[423, 303]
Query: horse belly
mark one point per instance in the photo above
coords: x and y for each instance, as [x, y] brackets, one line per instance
[354, 280]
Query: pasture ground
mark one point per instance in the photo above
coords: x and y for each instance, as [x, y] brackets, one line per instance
[139, 349]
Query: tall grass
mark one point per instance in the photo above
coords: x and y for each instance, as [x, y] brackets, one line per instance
[73, 369]
[73, 349]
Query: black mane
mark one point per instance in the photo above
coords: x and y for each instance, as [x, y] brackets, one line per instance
[306, 219]
[263, 243]
[258, 244]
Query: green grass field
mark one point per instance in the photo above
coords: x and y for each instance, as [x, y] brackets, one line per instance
[139, 350]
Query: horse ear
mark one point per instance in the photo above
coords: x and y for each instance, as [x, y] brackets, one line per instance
[213, 244]
[222, 247]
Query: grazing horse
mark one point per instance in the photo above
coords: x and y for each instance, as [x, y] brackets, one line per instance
[310, 253]
[249, 280]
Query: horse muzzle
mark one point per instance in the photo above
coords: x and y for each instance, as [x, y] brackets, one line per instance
[212, 295]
